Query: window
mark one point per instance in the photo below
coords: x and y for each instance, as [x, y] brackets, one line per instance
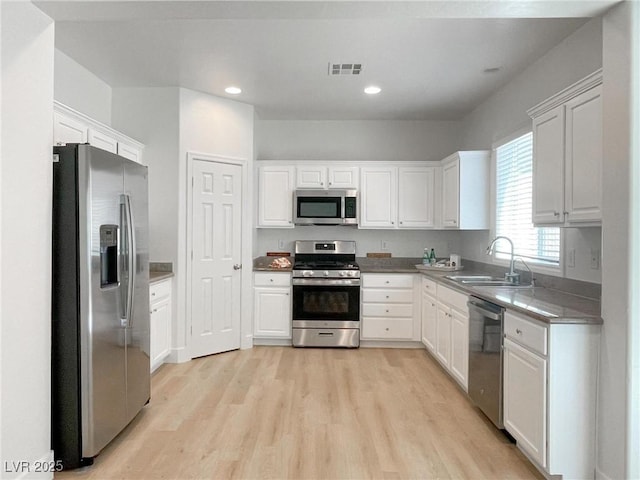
[514, 190]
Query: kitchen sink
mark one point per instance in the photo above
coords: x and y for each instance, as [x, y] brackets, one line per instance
[485, 281]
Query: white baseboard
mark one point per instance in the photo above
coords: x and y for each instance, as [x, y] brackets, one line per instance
[178, 355]
[390, 344]
[273, 342]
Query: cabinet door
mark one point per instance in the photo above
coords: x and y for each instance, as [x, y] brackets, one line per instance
[272, 312]
[460, 346]
[67, 130]
[343, 177]
[129, 151]
[525, 405]
[583, 157]
[103, 141]
[443, 334]
[160, 332]
[451, 194]
[429, 322]
[548, 167]
[275, 201]
[311, 177]
[378, 197]
[416, 187]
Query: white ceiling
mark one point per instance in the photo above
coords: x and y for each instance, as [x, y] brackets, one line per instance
[428, 57]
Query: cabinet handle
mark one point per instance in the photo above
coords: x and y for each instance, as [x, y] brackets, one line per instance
[271, 279]
[387, 296]
[454, 222]
[237, 266]
[330, 183]
[392, 223]
[565, 213]
[321, 183]
[518, 331]
[556, 214]
[387, 329]
[387, 311]
[153, 294]
[433, 304]
[387, 282]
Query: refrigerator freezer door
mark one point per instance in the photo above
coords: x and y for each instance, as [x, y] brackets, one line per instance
[138, 363]
[102, 337]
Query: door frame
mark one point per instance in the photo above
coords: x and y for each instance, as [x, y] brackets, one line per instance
[246, 337]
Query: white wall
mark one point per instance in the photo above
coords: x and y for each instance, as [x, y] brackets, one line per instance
[505, 112]
[80, 89]
[152, 116]
[26, 188]
[219, 127]
[358, 140]
[401, 243]
[385, 140]
[612, 398]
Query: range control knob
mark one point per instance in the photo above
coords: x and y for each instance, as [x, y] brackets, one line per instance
[326, 273]
[343, 274]
[307, 273]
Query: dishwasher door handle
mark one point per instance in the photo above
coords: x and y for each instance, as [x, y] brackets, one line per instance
[485, 313]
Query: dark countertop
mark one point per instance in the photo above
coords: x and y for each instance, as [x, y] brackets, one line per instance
[155, 277]
[263, 264]
[545, 304]
[549, 305]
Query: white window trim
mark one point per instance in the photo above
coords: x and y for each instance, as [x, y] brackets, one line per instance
[535, 267]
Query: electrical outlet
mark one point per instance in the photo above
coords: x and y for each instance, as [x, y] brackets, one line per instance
[384, 245]
[280, 244]
[571, 258]
[595, 259]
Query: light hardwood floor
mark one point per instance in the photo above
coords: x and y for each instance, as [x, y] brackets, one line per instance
[280, 412]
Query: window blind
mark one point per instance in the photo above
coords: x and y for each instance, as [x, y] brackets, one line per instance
[514, 197]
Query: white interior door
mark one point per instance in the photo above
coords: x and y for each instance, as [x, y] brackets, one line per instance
[215, 264]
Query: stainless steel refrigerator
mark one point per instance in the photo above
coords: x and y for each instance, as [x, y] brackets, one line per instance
[100, 299]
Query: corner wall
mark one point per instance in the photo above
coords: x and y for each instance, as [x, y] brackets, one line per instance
[613, 425]
[27, 43]
[80, 89]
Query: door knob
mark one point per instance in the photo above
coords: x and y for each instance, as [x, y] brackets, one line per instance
[237, 266]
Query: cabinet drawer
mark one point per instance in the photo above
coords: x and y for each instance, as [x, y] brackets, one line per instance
[370, 295]
[373, 280]
[453, 298]
[272, 279]
[387, 310]
[428, 286]
[526, 332]
[160, 290]
[387, 328]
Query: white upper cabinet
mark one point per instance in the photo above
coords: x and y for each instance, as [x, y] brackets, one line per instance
[378, 197]
[397, 197]
[323, 177]
[275, 196]
[567, 155]
[70, 126]
[343, 177]
[68, 130]
[416, 187]
[465, 190]
[548, 174]
[103, 140]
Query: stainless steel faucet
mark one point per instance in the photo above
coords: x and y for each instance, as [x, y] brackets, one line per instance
[511, 276]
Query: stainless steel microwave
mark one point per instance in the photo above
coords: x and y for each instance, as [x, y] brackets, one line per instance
[325, 207]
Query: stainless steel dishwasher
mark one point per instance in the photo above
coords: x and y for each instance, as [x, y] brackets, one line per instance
[485, 357]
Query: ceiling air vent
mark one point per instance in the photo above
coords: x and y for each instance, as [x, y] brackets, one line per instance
[345, 68]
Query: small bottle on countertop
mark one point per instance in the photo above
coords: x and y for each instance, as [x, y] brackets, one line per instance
[432, 257]
[426, 259]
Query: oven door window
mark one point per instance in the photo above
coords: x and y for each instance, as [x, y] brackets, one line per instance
[319, 207]
[326, 303]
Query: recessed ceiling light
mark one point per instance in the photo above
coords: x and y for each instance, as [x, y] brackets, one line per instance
[372, 90]
[233, 90]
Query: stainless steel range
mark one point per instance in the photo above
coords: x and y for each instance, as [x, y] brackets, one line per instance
[326, 294]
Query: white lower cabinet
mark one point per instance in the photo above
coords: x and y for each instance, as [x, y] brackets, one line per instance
[160, 322]
[429, 316]
[272, 305]
[388, 310]
[550, 393]
[445, 328]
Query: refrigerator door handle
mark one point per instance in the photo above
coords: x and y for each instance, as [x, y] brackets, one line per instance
[123, 272]
[129, 254]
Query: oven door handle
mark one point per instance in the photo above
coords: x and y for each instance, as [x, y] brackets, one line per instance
[322, 282]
